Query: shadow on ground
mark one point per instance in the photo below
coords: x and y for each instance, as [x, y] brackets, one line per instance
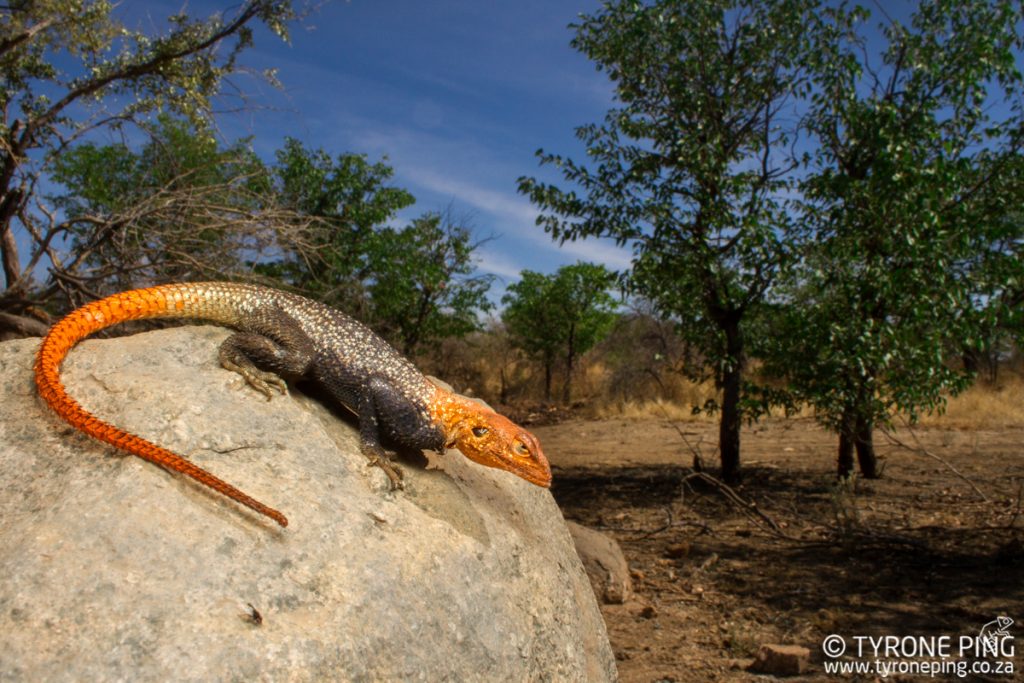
[792, 557]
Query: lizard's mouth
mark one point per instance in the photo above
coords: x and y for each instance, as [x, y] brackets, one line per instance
[538, 476]
[533, 468]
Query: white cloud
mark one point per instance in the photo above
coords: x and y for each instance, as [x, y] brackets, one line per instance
[518, 213]
[511, 207]
[599, 251]
[498, 264]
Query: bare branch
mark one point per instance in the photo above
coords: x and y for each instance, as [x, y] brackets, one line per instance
[924, 451]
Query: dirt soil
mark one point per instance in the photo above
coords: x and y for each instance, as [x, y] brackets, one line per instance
[794, 557]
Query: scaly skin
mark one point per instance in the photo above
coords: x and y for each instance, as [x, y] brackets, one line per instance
[287, 334]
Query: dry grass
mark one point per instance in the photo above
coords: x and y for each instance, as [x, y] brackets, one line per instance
[985, 405]
[644, 410]
[671, 397]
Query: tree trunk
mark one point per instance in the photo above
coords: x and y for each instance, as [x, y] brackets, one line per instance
[729, 427]
[11, 200]
[865, 445]
[972, 360]
[570, 357]
[548, 362]
[21, 326]
[844, 461]
[411, 336]
[8, 245]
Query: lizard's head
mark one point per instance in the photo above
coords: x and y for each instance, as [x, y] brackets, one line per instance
[491, 439]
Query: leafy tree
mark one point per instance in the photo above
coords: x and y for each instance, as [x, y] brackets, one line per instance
[998, 273]
[694, 168]
[531, 320]
[907, 192]
[587, 308]
[414, 284]
[350, 199]
[423, 288]
[68, 67]
[181, 207]
[560, 316]
[495, 346]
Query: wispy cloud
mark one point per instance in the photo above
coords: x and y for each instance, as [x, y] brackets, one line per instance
[511, 207]
[598, 251]
[499, 264]
[457, 95]
[517, 212]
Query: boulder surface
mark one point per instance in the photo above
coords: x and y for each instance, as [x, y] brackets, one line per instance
[113, 569]
[604, 562]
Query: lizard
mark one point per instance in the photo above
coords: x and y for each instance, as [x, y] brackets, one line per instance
[279, 334]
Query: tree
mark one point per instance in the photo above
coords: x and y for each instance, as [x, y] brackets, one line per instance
[998, 274]
[350, 199]
[531, 319]
[587, 309]
[181, 207]
[414, 284]
[560, 316]
[694, 167]
[69, 67]
[423, 288]
[910, 186]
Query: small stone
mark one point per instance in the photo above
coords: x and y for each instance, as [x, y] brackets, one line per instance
[648, 612]
[604, 562]
[781, 660]
[677, 550]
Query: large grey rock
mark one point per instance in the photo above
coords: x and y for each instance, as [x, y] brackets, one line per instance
[113, 569]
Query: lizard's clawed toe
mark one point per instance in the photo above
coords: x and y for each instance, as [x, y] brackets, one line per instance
[393, 471]
[260, 380]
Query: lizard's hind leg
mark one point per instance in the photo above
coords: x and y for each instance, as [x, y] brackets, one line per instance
[262, 358]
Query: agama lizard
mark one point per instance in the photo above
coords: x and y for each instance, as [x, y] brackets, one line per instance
[281, 334]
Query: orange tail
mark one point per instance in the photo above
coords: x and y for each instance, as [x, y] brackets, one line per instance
[156, 302]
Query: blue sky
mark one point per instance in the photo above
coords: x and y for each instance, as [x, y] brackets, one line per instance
[457, 94]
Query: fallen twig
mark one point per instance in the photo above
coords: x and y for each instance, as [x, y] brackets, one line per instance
[1016, 511]
[694, 450]
[749, 508]
[924, 451]
[643, 533]
[670, 523]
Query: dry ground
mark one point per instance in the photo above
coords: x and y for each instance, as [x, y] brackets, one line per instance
[916, 553]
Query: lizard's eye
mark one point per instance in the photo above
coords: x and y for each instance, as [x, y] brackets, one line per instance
[520, 448]
[480, 432]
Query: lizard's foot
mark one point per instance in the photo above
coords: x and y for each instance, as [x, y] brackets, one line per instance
[260, 380]
[393, 471]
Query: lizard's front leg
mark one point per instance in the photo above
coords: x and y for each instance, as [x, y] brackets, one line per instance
[374, 399]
